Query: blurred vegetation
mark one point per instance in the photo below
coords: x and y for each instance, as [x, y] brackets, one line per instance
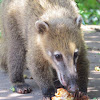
[90, 11]
[0, 1]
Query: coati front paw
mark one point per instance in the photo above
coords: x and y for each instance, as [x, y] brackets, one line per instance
[22, 89]
[48, 93]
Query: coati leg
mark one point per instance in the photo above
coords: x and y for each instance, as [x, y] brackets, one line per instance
[3, 56]
[41, 73]
[43, 78]
[16, 56]
[82, 69]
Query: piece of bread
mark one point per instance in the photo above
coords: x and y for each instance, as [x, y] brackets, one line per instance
[63, 94]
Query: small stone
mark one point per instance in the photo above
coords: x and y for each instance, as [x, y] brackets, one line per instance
[25, 76]
[31, 78]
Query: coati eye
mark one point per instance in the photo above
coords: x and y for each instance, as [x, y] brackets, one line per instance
[75, 55]
[59, 57]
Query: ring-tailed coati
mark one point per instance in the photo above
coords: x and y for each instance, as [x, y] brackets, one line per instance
[46, 36]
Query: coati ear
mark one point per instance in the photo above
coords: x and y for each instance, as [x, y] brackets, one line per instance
[41, 26]
[78, 21]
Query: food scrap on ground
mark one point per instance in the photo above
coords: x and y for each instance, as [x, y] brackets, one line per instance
[12, 89]
[26, 77]
[63, 94]
[97, 68]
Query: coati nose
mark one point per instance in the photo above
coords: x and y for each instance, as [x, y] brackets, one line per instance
[72, 88]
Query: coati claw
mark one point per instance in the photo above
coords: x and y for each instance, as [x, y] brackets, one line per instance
[80, 96]
[22, 89]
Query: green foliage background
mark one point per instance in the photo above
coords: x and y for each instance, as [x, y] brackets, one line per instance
[90, 11]
[0, 1]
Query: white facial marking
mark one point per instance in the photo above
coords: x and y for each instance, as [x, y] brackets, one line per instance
[56, 52]
[49, 53]
[76, 50]
[38, 39]
[75, 68]
[61, 79]
[77, 57]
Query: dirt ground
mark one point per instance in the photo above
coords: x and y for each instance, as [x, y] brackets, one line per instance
[92, 39]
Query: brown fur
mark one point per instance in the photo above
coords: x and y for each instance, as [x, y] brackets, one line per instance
[3, 47]
[29, 43]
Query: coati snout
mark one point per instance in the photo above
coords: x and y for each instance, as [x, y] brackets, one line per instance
[65, 67]
[72, 85]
